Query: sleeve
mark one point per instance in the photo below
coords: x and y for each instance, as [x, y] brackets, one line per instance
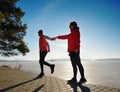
[47, 37]
[63, 36]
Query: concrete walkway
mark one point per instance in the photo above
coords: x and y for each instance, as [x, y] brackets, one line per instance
[18, 81]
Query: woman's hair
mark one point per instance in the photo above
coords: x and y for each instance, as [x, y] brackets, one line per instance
[73, 23]
[40, 31]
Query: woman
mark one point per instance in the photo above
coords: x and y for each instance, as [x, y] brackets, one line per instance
[43, 50]
[74, 50]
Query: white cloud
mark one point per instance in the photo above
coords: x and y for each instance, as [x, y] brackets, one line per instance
[51, 5]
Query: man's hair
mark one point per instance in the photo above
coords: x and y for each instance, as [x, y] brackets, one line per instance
[74, 24]
[40, 31]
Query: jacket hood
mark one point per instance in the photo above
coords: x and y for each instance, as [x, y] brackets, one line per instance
[75, 29]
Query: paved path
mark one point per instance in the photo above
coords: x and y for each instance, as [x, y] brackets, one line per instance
[17, 81]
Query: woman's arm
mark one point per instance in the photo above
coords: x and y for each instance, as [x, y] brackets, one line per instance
[63, 36]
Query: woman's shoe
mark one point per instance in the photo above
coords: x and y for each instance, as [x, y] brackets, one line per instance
[73, 80]
[82, 80]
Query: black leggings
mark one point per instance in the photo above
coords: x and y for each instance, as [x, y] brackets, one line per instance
[76, 61]
[42, 60]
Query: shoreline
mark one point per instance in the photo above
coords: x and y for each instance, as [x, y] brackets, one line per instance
[97, 73]
[18, 81]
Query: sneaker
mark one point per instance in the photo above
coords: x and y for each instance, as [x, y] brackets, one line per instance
[52, 68]
[40, 75]
[72, 80]
[83, 80]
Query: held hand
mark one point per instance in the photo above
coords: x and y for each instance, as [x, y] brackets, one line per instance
[54, 38]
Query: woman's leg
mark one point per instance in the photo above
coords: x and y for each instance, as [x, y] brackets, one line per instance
[81, 69]
[80, 66]
[74, 65]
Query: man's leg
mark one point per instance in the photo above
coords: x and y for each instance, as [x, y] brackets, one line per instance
[41, 59]
[46, 63]
[41, 54]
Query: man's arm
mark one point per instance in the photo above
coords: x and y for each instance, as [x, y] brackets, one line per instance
[49, 38]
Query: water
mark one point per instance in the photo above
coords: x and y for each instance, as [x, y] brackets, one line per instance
[104, 73]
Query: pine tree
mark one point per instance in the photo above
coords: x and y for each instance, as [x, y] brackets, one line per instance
[12, 31]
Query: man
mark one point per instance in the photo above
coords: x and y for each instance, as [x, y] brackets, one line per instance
[43, 50]
[74, 50]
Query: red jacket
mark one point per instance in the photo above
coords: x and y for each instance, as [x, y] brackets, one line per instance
[73, 40]
[43, 44]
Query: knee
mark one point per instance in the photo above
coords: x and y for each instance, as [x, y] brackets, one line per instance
[74, 66]
[40, 61]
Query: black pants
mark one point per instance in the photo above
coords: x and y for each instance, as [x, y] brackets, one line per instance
[42, 61]
[76, 61]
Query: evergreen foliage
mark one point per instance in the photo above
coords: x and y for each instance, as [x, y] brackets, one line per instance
[12, 31]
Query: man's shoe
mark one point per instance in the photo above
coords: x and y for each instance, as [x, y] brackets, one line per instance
[52, 68]
[83, 80]
[73, 80]
[40, 75]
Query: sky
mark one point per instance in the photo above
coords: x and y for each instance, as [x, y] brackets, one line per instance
[99, 22]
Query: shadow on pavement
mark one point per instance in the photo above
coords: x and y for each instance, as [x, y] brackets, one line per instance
[76, 85]
[19, 84]
[37, 89]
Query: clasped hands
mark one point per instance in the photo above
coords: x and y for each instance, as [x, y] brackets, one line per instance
[54, 38]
